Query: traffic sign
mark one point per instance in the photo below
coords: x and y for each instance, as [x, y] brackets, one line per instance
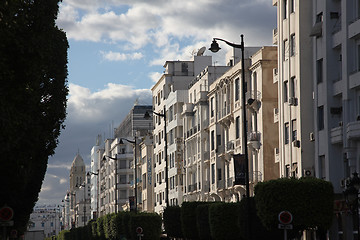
[139, 230]
[7, 224]
[6, 213]
[285, 226]
[285, 217]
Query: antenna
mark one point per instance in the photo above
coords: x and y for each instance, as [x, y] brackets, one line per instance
[201, 51]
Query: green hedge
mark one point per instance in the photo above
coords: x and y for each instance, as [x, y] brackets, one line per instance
[172, 221]
[223, 219]
[149, 222]
[188, 219]
[100, 228]
[202, 221]
[310, 200]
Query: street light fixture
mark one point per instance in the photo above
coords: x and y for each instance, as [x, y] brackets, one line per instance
[163, 115]
[116, 194]
[352, 198]
[135, 170]
[215, 48]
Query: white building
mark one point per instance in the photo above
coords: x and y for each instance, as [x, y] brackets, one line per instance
[94, 171]
[295, 87]
[146, 148]
[195, 114]
[47, 219]
[177, 76]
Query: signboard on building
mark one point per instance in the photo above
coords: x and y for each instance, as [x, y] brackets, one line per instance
[240, 169]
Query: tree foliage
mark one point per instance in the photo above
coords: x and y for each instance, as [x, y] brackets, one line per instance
[33, 95]
[310, 200]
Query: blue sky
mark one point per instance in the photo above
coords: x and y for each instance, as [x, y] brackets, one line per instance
[117, 52]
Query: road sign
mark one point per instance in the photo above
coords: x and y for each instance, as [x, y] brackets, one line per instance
[6, 214]
[139, 230]
[285, 217]
[7, 224]
[285, 226]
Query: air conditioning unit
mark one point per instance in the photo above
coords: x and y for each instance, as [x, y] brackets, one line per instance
[309, 173]
[296, 143]
[293, 101]
[312, 137]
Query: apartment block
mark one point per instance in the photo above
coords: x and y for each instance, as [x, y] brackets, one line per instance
[177, 76]
[295, 87]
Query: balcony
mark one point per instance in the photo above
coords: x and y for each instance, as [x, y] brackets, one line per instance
[275, 75]
[336, 135]
[275, 35]
[220, 184]
[230, 146]
[276, 115]
[230, 182]
[354, 28]
[254, 140]
[188, 109]
[206, 186]
[206, 155]
[202, 96]
[253, 100]
[353, 130]
[192, 187]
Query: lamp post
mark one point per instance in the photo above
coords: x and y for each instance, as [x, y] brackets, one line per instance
[116, 195]
[135, 170]
[163, 115]
[352, 198]
[215, 48]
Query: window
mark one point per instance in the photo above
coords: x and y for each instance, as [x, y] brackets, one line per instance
[285, 7]
[294, 130]
[285, 91]
[123, 179]
[219, 174]
[212, 107]
[237, 89]
[319, 70]
[292, 45]
[319, 17]
[285, 49]
[287, 171]
[292, 86]
[158, 98]
[237, 125]
[321, 118]
[213, 173]
[212, 140]
[292, 6]
[286, 133]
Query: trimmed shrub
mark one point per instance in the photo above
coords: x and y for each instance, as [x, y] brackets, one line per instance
[202, 220]
[149, 222]
[93, 226]
[100, 228]
[223, 218]
[126, 223]
[63, 234]
[310, 200]
[258, 231]
[188, 219]
[172, 221]
[117, 226]
[107, 228]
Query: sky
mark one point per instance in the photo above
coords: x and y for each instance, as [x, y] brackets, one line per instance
[117, 52]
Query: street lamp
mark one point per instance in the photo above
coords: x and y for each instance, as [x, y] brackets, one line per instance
[215, 48]
[135, 174]
[352, 198]
[163, 115]
[115, 159]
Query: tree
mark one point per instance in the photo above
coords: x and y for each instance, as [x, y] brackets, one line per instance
[33, 95]
[310, 200]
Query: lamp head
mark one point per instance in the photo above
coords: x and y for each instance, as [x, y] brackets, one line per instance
[121, 141]
[214, 46]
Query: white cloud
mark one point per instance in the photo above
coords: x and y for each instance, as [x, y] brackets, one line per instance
[116, 56]
[155, 76]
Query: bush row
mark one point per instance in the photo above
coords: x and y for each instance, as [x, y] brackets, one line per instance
[118, 226]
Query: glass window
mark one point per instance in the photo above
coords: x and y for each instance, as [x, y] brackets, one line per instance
[212, 107]
[237, 89]
[292, 45]
[285, 7]
[237, 130]
[213, 173]
[212, 140]
[294, 130]
[285, 92]
[321, 118]
[319, 70]
[286, 133]
[292, 6]
[285, 49]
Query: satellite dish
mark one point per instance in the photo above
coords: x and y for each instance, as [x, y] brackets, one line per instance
[201, 51]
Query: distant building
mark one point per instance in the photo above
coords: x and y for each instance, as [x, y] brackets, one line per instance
[47, 219]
